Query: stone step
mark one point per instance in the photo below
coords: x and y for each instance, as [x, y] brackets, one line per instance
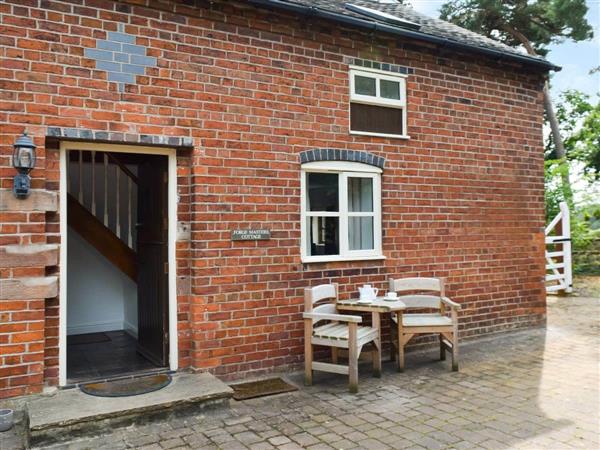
[70, 413]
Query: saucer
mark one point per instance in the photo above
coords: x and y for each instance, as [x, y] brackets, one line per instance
[364, 302]
[389, 299]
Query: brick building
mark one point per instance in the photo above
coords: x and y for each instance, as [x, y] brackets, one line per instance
[355, 141]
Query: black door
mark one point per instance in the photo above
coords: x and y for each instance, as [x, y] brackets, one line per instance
[152, 282]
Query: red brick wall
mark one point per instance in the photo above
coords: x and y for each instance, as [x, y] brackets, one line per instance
[462, 198]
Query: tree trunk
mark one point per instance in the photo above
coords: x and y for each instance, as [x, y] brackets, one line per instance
[558, 146]
[558, 143]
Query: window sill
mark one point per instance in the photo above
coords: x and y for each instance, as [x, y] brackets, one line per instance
[320, 259]
[393, 136]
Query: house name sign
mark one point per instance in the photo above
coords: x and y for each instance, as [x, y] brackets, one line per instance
[250, 235]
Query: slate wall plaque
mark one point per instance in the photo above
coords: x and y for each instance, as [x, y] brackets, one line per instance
[250, 235]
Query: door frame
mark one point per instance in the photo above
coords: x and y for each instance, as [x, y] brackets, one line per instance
[65, 146]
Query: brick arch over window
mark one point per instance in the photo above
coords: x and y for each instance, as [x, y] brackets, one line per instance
[332, 154]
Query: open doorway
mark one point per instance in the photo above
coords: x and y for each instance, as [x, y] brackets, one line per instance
[117, 263]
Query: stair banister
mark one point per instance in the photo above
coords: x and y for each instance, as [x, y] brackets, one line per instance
[93, 167]
[122, 188]
[129, 224]
[123, 167]
[105, 189]
[118, 200]
[80, 196]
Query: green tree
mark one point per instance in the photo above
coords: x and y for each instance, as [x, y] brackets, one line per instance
[532, 24]
[579, 120]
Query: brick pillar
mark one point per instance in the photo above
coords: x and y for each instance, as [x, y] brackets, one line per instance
[24, 288]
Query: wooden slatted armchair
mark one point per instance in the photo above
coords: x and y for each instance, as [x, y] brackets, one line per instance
[335, 331]
[405, 326]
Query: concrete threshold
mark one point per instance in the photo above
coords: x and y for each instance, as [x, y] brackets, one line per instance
[70, 413]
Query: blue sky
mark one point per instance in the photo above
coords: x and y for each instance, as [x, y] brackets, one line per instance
[576, 59]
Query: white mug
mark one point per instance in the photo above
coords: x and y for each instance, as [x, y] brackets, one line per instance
[393, 295]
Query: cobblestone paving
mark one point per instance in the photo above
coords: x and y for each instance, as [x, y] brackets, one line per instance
[534, 389]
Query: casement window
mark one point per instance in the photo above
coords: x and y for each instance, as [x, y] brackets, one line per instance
[341, 211]
[377, 103]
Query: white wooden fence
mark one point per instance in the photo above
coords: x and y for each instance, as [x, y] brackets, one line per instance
[559, 271]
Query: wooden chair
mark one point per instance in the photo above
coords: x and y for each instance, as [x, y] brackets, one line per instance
[408, 325]
[339, 331]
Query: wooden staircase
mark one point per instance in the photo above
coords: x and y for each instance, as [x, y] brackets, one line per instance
[105, 181]
[101, 238]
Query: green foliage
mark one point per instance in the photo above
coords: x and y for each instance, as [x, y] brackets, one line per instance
[585, 219]
[541, 22]
[579, 122]
[585, 234]
[553, 188]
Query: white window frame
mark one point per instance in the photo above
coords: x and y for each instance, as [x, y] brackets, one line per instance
[344, 170]
[377, 100]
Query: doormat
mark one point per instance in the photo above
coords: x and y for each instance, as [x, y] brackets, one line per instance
[127, 387]
[88, 338]
[261, 388]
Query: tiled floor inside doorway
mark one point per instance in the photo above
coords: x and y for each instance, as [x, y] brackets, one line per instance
[103, 355]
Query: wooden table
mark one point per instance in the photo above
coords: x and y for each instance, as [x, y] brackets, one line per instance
[376, 308]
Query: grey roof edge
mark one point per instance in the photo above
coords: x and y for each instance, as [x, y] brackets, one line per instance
[418, 35]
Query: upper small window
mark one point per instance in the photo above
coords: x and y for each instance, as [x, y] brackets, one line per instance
[378, 103]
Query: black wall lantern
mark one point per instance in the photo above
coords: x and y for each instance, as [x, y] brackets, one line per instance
[24, 162]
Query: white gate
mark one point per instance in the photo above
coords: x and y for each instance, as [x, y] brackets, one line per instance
[559, 273]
